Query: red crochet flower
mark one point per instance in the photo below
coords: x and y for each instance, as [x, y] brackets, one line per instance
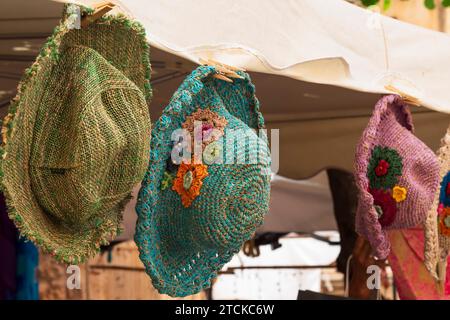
[385, 206]
[382, 168]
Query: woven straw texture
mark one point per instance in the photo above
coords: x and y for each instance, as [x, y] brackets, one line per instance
[444, 159]
[77, 137]
[391, 126]
[182, 247]
[437, 244]
[431, 241]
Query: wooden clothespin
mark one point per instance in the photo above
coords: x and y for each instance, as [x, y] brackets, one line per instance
[406, 97]
[100, 9]
[225, 72]
[226, 65]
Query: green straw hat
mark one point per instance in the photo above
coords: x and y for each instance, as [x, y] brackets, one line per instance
[193, 217]
[76, 139]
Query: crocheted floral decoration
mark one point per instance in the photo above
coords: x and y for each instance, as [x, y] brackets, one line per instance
[167, 180]
[399, 193]
[385, 166]
[385, 206]
[189, 177]
[213, 153]
[384, 169]
[189, 181]
[444, 222]
[212, 125]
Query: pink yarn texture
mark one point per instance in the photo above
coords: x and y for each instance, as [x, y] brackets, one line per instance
[391, 126]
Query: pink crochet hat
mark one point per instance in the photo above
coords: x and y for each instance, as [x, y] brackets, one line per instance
[396, 174]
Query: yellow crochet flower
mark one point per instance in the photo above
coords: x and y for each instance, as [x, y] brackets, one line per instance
[399, 193]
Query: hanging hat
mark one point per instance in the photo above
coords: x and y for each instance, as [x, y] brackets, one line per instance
[395, 172]
[195, 214]
[437, 227]
[76, 139]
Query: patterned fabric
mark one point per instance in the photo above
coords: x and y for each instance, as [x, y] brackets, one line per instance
[412, 279]
[187, 232]
[396, 174]
[76, 139]
[437, 226]
[8, 251]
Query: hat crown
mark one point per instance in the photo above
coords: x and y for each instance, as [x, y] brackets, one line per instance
[239, 208]
[83, 135]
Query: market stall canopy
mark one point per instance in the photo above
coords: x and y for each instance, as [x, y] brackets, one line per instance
[319, 123]
[352, 47]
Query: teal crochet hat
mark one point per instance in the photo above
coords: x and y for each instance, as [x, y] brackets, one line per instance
[195, 214]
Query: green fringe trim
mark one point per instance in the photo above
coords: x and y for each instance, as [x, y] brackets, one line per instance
[389, 180]
[107, 228]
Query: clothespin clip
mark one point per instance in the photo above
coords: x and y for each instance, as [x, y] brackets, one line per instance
[225, 72]
[232, 68]
[406, 97]
[100, 9]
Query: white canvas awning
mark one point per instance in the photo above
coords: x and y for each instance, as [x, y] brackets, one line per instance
[320, 41]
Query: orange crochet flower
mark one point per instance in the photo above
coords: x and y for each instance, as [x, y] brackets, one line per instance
[189, 181]
[444, 222]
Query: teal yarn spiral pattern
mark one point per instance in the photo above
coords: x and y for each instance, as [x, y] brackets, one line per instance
[183, 248]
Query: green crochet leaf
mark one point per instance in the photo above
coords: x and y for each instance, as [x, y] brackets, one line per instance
[390, 179]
